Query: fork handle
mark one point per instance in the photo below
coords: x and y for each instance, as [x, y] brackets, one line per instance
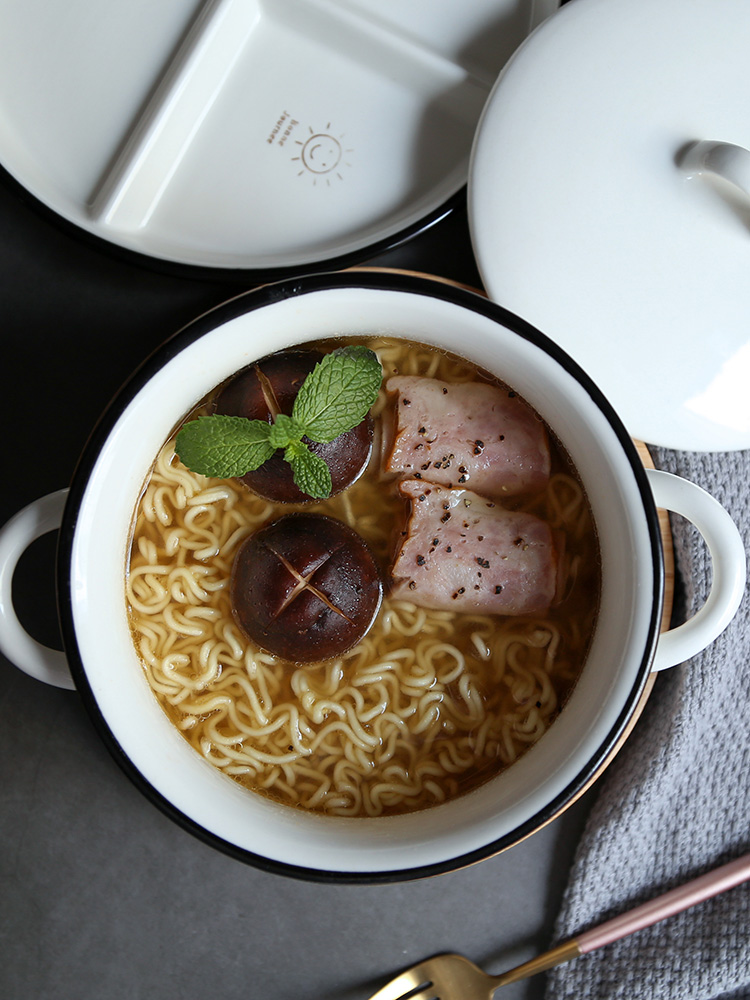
[682, 898]
[555, 956]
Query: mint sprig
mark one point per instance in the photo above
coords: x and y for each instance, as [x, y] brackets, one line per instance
[309, 471]
[338, 392]
[335, 397]
[224, 446]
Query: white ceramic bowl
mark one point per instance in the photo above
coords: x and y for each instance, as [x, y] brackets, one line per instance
[626, 644]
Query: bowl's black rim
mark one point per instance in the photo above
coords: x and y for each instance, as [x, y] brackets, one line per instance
[249, 276]
[259, 298]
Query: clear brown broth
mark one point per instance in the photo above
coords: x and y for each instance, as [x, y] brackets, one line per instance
[335, 748]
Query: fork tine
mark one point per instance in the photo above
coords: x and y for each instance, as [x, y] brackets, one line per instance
[403, 986]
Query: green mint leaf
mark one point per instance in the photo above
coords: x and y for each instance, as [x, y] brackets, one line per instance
[310, 472]
[338, 393]
[223, 446]
[284, 431]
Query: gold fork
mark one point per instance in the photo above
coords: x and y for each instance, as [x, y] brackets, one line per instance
[453, 977]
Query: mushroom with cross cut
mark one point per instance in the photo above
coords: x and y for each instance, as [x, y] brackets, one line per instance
[305, 587]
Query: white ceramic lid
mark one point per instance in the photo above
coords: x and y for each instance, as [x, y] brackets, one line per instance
[596, 218]
[249, 133]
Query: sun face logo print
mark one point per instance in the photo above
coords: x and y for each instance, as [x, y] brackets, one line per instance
[322, 156]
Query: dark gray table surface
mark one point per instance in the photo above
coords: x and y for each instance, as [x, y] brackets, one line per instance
[101, 896]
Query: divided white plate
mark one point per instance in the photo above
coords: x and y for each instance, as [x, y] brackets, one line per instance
[249, 133]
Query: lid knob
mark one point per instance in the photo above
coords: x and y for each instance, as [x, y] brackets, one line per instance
[723, 160]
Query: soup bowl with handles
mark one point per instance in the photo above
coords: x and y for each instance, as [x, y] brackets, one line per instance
[95, 515]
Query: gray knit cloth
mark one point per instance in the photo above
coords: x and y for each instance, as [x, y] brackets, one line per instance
[675, 801]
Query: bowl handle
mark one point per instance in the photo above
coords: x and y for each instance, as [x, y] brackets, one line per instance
[35, 659]
[728, 563]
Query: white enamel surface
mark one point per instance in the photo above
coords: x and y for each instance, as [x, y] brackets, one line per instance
[248, 133]
[585, 222]
[282, 833]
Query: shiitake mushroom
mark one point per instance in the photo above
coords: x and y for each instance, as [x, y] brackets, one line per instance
[269, 387]
[305, 587]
